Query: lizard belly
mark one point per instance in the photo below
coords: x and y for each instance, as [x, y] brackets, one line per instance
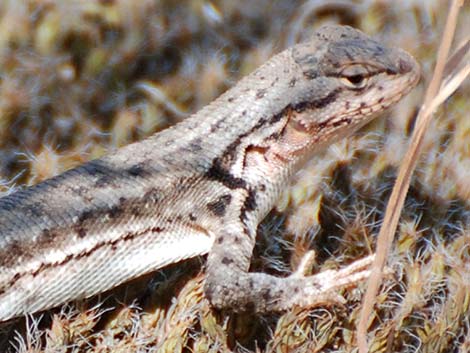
[99, 270]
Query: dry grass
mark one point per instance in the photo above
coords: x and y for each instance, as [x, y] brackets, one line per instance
[80, 78]
[433, 98]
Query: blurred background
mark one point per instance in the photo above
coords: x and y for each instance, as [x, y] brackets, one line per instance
[81, 78]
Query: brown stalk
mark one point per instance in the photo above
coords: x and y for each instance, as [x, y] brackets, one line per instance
[397, 198]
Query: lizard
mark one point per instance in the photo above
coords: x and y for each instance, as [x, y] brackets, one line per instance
[202, 186]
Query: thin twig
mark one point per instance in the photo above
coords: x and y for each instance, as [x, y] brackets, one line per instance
[402, 183]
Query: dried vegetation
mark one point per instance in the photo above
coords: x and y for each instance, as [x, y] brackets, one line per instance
[78, 78]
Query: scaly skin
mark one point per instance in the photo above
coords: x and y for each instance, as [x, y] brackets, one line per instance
[201, 186]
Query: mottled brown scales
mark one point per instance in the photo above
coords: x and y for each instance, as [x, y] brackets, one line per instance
[202, 186]
[219, 206]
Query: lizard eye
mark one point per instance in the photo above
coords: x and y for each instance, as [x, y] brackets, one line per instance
[355, 81]
[355, 76]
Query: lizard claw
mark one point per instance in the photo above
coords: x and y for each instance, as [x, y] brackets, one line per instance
[322, 288]
[305, 265]
[346, 277]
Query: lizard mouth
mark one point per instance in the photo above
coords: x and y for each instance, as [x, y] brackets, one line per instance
[408, 81]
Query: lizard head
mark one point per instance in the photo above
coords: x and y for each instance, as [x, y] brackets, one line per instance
[347, 78]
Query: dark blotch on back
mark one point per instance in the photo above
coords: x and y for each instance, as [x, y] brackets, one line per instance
[249, 204]
[260, 93]
[219, 206]
[218, 173]
[250, 201]
[85, 215]
[105, 175]
[137, 170]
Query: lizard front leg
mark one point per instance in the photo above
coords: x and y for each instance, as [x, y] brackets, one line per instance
[229, 284]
